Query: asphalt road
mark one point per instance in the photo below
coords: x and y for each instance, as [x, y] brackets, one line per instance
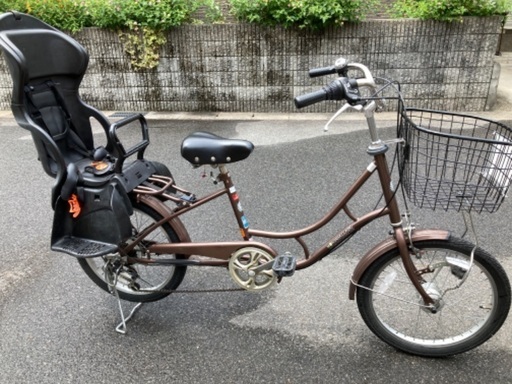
[56, 326]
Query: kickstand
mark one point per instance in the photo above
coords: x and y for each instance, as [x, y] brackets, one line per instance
[121, 328]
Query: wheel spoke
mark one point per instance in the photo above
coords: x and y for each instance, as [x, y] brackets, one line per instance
[155, 281]
[460, 318]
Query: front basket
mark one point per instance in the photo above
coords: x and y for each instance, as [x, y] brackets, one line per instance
[454, 161]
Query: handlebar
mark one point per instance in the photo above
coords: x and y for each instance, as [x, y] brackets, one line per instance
[339, 67]
[343, 88]
[340, 89]
[119, 148]
[317, 72]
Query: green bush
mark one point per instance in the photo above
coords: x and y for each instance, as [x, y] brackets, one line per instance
[155, 14]
[310, 14]
[73, 15]
[449, 10]
[64, 14]
[139, 23]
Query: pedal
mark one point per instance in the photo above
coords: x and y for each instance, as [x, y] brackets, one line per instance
[284, 265]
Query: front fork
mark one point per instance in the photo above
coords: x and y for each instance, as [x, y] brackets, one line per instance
[411, 270]
[378, 150]
[402, 240]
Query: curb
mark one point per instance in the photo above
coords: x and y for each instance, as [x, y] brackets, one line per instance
[292, 117]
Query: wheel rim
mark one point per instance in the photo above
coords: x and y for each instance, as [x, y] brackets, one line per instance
[151, 277]
[463, 313]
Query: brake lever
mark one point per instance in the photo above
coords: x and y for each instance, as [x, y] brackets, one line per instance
[380, 102]
[344, 108]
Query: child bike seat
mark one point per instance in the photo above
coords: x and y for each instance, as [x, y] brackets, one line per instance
[206, 148]
[47, 67]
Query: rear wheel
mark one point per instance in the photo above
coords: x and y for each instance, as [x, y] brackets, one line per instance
[466, 314]
[139, 282]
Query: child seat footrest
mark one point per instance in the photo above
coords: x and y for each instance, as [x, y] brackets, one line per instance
[82, 248]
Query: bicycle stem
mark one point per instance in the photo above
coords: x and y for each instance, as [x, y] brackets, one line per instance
[369, 113]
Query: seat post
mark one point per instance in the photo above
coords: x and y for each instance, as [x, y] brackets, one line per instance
[234, 198]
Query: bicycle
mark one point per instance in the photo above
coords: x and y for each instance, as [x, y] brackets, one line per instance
[421, 269]
[424, 292]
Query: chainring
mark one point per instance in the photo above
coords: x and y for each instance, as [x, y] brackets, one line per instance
[251, 269]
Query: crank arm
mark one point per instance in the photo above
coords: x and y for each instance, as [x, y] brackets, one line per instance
[264, 267]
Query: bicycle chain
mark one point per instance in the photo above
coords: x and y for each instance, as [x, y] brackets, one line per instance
[216, 290]
[170, 291]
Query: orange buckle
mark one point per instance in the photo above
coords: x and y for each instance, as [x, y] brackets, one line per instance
[74, 206]
[99, 165]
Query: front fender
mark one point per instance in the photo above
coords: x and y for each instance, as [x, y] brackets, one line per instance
[386, 246]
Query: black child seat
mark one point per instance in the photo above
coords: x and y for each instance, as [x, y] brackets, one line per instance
[47, 67]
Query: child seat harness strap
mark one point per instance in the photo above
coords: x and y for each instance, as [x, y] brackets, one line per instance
[48, 109]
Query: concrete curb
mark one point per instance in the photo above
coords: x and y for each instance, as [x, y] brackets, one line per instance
[224, 116]
[501, 115]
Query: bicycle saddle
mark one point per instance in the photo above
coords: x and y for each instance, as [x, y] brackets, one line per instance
[201, 148]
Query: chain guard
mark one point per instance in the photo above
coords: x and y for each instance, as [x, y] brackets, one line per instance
[247, 269]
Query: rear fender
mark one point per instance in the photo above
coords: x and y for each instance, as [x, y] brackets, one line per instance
[386, 246]
[176, 224]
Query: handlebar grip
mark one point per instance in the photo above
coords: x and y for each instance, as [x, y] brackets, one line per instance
[317, 72]
[310, 98]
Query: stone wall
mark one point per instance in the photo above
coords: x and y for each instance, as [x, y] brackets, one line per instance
[248, 68]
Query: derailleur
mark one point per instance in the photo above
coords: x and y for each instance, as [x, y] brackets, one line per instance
[117, 272]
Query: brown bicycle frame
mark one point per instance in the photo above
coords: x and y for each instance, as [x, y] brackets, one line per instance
[222, 251]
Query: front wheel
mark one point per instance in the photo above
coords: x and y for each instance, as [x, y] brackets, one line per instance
[138, 282]
[466, 313]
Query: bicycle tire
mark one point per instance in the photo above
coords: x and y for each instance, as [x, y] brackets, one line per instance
[468, 316]
[160, 279]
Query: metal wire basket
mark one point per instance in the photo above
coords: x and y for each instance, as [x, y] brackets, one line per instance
[454, 161]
